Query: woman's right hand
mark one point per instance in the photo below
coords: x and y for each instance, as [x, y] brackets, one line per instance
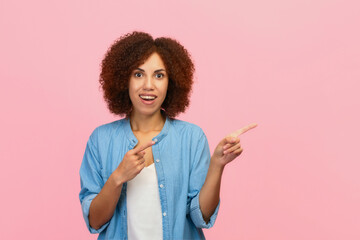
[132, 164]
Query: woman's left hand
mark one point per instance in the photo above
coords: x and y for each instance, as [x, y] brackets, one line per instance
[229, 147]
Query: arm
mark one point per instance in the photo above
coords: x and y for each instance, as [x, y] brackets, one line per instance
[98, 199]
[209, 196]
[227, 150]
[103, 205]
[203, 179]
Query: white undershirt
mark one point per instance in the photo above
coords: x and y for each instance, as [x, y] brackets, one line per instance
[144, 218]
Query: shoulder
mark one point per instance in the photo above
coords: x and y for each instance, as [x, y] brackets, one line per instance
[107, 130]
[182, 128]
[192, 138]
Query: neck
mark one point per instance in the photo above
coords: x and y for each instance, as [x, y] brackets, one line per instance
[147, 123]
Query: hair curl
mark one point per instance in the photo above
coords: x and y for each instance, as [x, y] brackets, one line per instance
[129, 52]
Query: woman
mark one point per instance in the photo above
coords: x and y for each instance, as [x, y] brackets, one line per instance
[149, 175]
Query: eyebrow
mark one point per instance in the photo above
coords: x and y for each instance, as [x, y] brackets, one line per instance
[159, 70]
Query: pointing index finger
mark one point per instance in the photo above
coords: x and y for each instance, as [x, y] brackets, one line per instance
[243, 130]
[143, 147]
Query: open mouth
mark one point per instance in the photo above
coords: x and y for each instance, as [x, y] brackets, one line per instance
[148, 97]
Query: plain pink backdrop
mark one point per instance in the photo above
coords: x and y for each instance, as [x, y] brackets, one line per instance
[291, 66]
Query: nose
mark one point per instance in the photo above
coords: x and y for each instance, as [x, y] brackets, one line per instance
[148, 84]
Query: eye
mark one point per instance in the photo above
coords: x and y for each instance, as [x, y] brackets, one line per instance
[159, 75]
[138, 74]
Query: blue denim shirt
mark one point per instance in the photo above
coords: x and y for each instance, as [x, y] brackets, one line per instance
[181, 158]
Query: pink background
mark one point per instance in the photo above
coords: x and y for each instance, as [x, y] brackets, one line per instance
[291, 66]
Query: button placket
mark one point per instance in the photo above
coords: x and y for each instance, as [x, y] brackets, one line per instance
[161, 185]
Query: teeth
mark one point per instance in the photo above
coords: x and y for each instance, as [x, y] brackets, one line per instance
[147, 97]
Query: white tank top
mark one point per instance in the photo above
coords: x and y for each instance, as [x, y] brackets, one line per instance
[144, 218]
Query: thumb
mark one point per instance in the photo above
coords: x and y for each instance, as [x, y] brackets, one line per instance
[228, 139]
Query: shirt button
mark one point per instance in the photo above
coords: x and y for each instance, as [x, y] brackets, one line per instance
[155, 140]
[164, 214]
[157, 160]
[161, 185]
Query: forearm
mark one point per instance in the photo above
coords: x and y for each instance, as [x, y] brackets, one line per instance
[103, 205]
[210, 192]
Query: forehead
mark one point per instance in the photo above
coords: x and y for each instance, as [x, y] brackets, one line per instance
[153, 62]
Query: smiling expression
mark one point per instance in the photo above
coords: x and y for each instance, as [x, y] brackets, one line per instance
[148, 86]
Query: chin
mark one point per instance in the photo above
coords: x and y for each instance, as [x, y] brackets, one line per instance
[148, 112]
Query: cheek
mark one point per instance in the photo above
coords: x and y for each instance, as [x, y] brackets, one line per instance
[132, 88]
[132, 95]
[165, 87]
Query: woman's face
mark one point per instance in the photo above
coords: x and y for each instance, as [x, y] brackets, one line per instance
[148, 86]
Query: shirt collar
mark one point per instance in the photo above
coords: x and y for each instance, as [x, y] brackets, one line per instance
[133, 140]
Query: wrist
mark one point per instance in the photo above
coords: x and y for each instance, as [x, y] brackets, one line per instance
[116, 178]
[216, 165]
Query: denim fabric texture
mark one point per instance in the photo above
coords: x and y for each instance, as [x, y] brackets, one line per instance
[181, 158]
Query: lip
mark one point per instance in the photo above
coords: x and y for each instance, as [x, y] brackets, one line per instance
[146, 94]
[147, 102]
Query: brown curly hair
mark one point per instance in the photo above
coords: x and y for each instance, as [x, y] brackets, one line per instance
[129, 52]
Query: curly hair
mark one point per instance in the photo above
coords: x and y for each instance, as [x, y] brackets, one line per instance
[129, 52]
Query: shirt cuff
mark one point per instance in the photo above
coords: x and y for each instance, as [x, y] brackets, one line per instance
[197, 217]
[86, 209]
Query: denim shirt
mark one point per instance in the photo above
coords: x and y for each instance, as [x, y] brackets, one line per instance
[181, 157]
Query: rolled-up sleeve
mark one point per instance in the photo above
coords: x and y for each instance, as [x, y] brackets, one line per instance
[197, 178]
[197, 216]
[91, 181]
